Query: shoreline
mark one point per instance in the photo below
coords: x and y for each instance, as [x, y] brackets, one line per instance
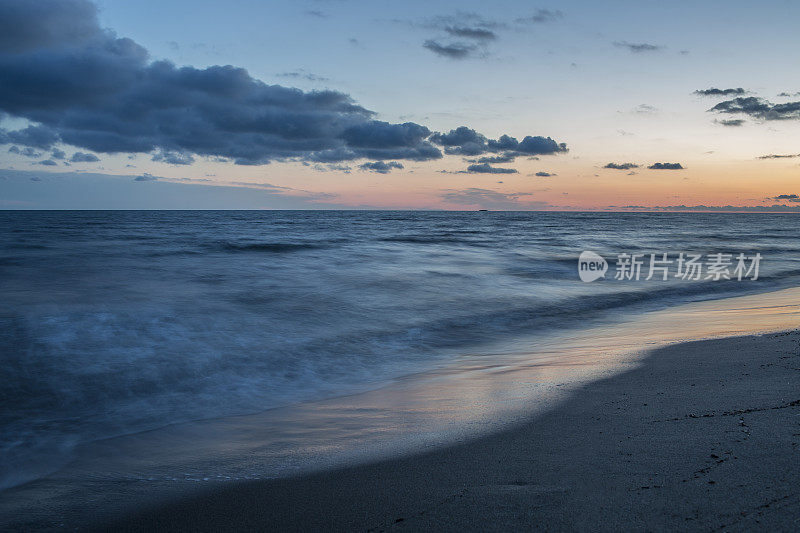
[701, 435]
[424, 414]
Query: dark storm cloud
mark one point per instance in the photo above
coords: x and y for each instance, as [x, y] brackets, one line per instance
[451, 50]
[759, 108]
[83, 86]
[81, 157]
[666, 166]
[33, 136]
[26, 25]
[779, 156]
[713, 91]
[486, 168]
[637, 48]
[478, 34]
[380, 167]
[621, 166]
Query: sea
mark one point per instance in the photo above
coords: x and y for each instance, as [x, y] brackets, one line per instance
[115, 323]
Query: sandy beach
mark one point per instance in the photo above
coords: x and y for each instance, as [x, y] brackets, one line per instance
[702, 436]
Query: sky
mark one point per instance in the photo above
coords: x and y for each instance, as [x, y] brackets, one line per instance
[340, 104]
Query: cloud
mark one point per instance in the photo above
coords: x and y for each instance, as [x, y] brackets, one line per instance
[785, 94]
[451, 51]
[489, 199]
[33, 136]
[759, 108]
[621, 166]
[302, 74]
[645, 109]
[637, 48]
[732, 122]
[381, 167]
[666, 166]
[486, 168]
[542, 174]
[478, 34]
[777, 208]
[84, 86]
[146, 177]
[713, 91]
[502, 158]
[81, 157]
[778, 156]
[541, 16]
[466, 141]
[57, 154]
[48, 163]
[27, 151]
[173, 158]
[26, 26]
[787, 197]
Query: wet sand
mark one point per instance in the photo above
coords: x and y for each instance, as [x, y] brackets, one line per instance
[701, 436]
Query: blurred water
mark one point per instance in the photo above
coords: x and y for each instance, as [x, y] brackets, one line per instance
[116, 322]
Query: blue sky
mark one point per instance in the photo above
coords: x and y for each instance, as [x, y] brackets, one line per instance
[613, 81]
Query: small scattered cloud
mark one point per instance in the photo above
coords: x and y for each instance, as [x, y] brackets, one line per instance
[57, 154]
[27, 152]
[666, 166]
[713, 91]
[468, 142]
[316, 14]
[380, 167]
[451, 51]
[644, 109]
[146, 177]
[541, 16]
[778, 156]
[788, 95]
[489, 199]
[543, 174]
[502, 158]
[637, 48]
[302, 74]
[731, 122]
[478, 34]
[759, 108]
[48, 163]
[173, 158]
[82, 157]
[787, 197]
[621, 166]
[486, 168]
